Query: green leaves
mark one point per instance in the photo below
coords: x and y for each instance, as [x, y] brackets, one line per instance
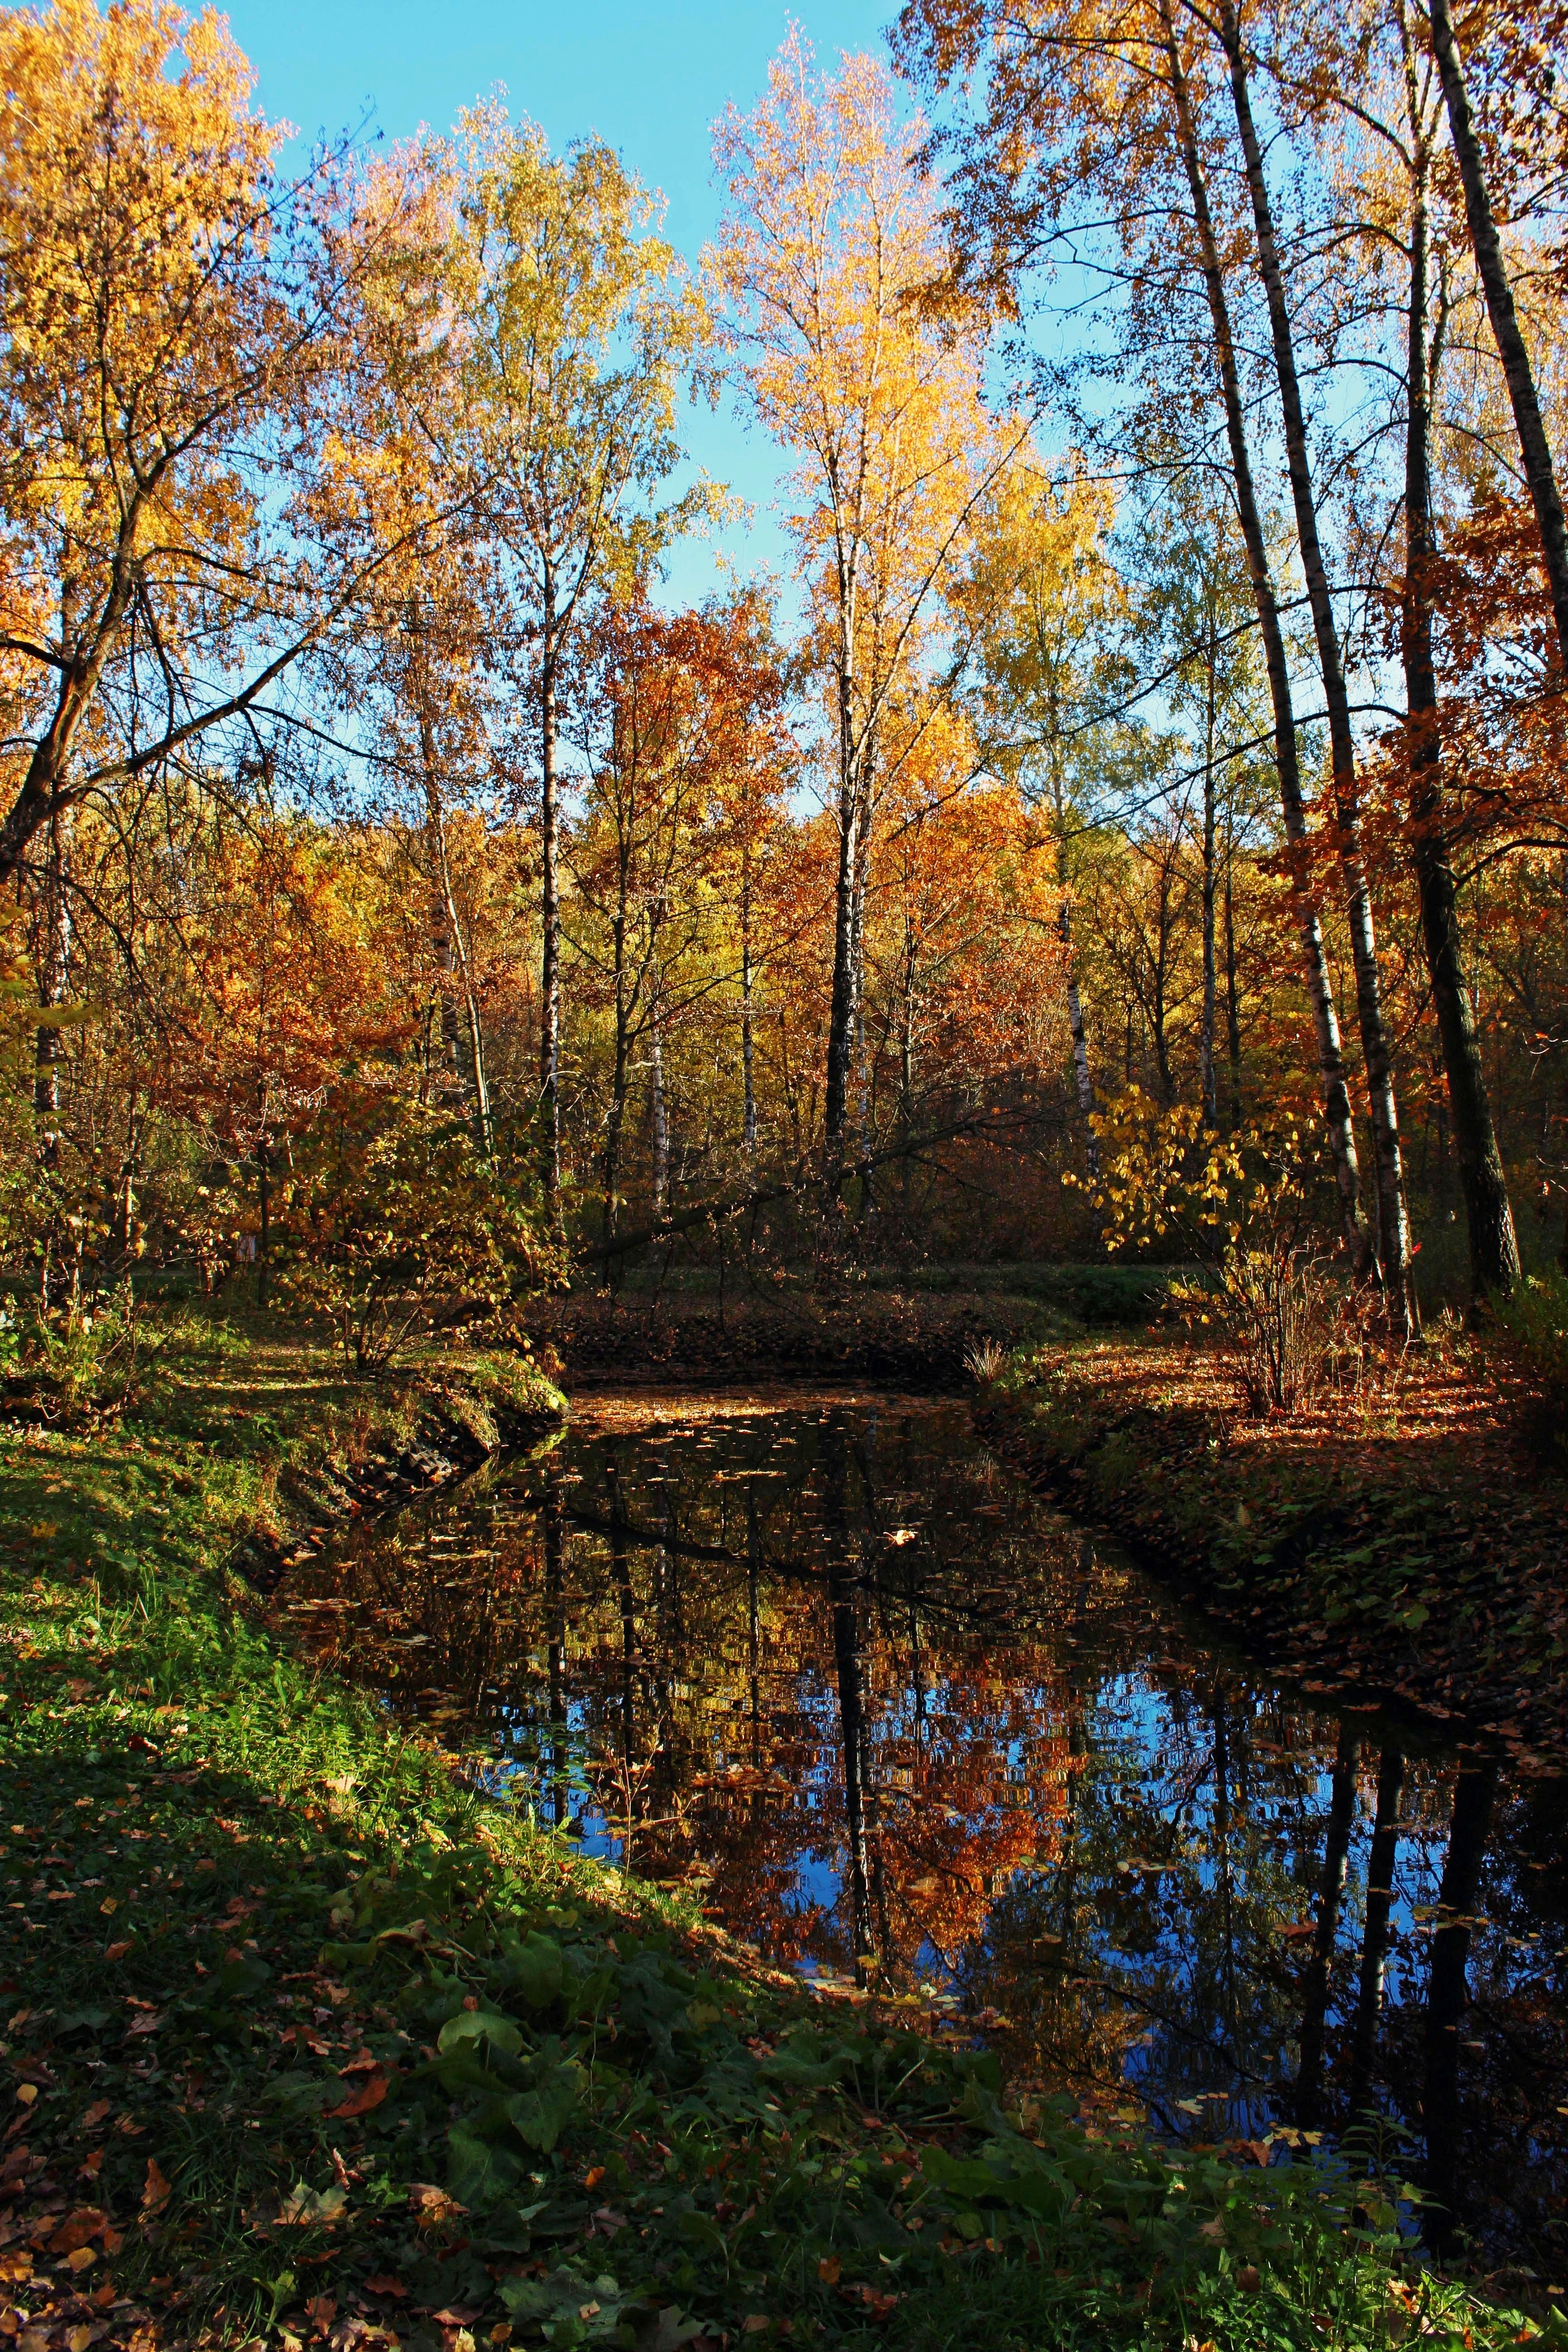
[569, 2308]
[532, 1970]
[541, 2112]
[1038, 2190]
[701, 2230]
[243, 1980]
[479, 2173]
[479, 2024]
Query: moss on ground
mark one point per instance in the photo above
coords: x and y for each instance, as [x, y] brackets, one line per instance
[304, 2038]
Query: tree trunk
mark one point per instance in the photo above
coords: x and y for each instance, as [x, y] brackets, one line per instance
[862, 1072]
[450, 949]
[616, 1121]
[850, 1676]
[556, 1611]
[1380, 1865]
[263, 1211]
[841, 1007]
[1232, 995]
[1337, 1115]
[1394, 1238]
[1076, 1030]
[550, 924]
[659, 1118]
[754, 1630]
[83, 657]
[1494, 1249]
[446, 1005]
[53, 960]
[907, 1061]
[1163, 930]
[1449, 1992]
[1533, 445]
[1315, 2002]
[1207, 1025]
[748, 1048]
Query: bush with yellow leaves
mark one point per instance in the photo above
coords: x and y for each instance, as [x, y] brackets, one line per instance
[1251, 1208]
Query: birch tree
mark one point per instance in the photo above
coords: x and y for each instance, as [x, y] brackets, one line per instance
[581, 331]
[831, 237]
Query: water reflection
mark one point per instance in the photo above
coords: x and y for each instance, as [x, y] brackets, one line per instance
[898, 1722]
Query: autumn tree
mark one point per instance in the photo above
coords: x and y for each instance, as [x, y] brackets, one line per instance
[831, 236]
[677, 718]
[1502, 311]
[176, 328]
[1050, 593]
[1093, 135]
[1366, 80]
[580, 329]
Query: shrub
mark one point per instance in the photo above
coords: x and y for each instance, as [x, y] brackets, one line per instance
[1281, 1305]
[392, 1223]
[1536, 1320]
[72, 1362]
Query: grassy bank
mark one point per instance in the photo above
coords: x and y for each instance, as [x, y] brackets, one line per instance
[1405, 1541]
[305, 2041]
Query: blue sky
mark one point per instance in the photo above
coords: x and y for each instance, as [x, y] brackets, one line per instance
[648, 79]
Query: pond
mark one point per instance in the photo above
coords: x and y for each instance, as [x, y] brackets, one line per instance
[824, 1661]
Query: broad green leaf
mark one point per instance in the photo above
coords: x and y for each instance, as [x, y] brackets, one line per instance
[541, 2112]
[472, 2024]
[478, 2175]
[533, 1970]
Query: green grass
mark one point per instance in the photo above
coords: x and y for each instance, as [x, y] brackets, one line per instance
[306, 2039]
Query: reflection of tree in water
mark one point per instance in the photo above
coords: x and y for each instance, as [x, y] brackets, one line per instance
[1474, 2055]
[875, 1703]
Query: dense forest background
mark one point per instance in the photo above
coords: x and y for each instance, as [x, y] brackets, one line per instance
[1137, 811]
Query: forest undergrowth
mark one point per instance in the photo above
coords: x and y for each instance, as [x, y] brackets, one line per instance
[307, 2041]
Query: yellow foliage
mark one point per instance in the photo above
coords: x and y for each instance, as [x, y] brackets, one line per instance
[1167, 1181]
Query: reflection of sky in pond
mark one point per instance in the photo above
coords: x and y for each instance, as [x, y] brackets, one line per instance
[886, 1715]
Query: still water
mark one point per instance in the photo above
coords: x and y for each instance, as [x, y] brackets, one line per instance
[897, 1721]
